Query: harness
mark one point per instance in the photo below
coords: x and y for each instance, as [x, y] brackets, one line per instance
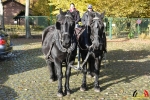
[78, 32]
[91, 50]
[56, 39]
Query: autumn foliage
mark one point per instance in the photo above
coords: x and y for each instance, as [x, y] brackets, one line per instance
[113, 8]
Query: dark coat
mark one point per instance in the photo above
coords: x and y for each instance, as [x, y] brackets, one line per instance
[76, 15]
[83, 19]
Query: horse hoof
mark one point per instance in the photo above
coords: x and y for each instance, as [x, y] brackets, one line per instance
[67, 92]
[51, 80]
[89, 76]
[97, 89]
[59, 94]
[82, 89]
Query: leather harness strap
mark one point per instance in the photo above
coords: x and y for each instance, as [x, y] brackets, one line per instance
[78, 32]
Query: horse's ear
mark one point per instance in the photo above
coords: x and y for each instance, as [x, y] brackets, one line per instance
[60, 11]
[94, 14]
[58, 25]
[102, 15]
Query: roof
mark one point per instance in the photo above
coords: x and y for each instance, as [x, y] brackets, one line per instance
[5, 2]
[21, 14]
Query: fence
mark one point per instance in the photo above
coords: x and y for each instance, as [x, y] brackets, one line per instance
[37, 24]
[114, 27]
[127, 27]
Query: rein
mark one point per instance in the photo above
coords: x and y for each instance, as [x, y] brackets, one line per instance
[58, 42]
[59, 45]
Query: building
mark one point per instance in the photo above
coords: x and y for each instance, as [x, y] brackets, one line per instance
[13, 12]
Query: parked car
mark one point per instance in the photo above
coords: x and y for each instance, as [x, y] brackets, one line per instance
[5, 43]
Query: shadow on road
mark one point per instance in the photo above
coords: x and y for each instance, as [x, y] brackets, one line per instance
[18, 61]
[6, 93]
[122, 66]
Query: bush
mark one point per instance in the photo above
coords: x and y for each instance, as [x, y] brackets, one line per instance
[14, 35]
[144, 36]
[131, 35]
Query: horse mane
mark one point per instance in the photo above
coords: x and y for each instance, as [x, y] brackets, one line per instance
[45, 31]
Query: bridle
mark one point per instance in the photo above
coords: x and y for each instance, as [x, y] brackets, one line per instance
[60, 32]
[65, 25]
[96, 26]
[86, 26]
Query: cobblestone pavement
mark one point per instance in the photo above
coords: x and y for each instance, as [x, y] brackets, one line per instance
[24, 75]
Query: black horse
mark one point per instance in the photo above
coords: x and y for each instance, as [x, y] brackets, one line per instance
[93, 53]
[59, 45]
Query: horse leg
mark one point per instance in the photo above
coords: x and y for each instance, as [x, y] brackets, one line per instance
[52, 70]
[83, 86]
[67, 76]
[97, 69]
[68, 70]
[90, 68]
[59, 76]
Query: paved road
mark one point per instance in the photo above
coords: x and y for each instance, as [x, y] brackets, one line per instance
[24, 75]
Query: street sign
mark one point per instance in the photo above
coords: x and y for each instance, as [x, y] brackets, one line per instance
[138, 21]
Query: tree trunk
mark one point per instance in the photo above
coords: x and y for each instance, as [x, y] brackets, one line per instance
[28, 33]
[1, 16]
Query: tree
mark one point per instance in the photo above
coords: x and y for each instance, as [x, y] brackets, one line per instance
[124, 8]
[41, 8]
[65, 5]
[1, 16]
[113, 8]
[117, 8]
[28, 33]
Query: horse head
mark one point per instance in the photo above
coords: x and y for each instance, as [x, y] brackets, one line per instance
[68, 30]
[66, 25]
[97, 28]
[89, 17]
